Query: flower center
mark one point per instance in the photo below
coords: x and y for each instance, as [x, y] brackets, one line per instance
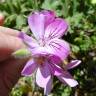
[42, 42]
[40, 60]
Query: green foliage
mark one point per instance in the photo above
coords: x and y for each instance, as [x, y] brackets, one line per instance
[81, 16]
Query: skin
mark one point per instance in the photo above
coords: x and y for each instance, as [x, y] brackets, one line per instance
[10, 67]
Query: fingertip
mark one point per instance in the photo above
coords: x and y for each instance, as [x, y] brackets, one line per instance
[9, 31]
[8, 45]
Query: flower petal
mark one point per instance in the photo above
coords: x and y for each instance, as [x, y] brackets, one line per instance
[56, 29]
[55, 60]
[58, 48]
[29, 68]
[55, 47]
[63, 75]
[73, 64]
[67, 78]
[55, 69]
[48, 87]
[28, 40]
[43, 75]
[49, 16]
[39, 51]
[36, 24]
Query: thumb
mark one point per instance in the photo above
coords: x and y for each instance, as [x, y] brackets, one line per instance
[9, 44]
[1, 19]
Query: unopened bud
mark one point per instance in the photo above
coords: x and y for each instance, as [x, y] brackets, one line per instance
[21, 54]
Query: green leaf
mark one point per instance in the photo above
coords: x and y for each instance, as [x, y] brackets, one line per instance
[20, 21]
[10, 20]
[75, 48]
[93, 1]
[21, 53]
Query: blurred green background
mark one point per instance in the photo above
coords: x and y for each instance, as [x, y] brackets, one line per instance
[81, 16]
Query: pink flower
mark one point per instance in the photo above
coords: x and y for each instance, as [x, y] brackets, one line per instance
[48, 50]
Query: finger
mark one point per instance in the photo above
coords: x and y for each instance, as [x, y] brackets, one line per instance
[1, 19]
[11, 72]
[9, 31]
[9, 44]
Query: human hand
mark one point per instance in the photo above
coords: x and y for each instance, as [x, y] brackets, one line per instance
[10, 67]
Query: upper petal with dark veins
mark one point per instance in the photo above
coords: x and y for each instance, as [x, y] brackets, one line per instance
[56, 29]
[38, 21]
